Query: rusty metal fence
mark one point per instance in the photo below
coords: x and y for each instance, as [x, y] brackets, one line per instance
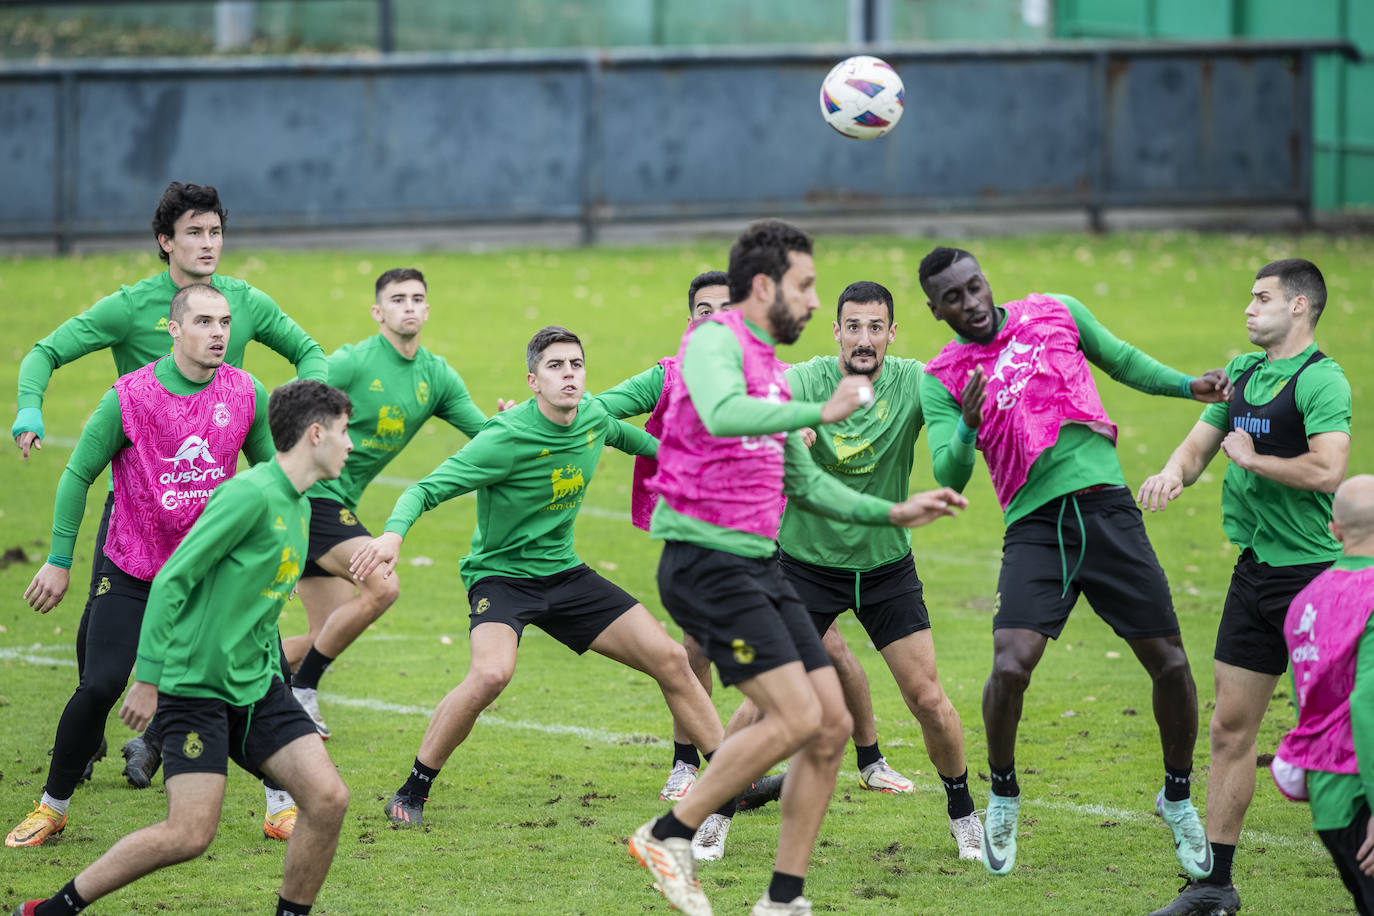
[597, 137]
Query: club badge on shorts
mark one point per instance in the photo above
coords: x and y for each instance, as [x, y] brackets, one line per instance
[193, 747]
[744, 653]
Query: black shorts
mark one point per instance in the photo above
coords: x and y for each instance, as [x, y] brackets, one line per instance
[1343, 844]
[1107, 557]
[573, 606]
[741, 610]
[1250, 635]
[201, 735]
[331, 522]
[887, 600]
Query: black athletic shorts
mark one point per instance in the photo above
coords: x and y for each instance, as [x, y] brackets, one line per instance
[573, 606]
[1091, 542]
[331, 522]
[1343, 844]
[741, 610]
[201, 735]
[888, 600]
[1251, 632]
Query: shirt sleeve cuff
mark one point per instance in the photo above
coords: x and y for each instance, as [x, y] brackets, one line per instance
[1185, 386]
[148, 671]
[965, 433]
[59, 561]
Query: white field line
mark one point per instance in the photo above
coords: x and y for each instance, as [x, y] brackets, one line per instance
[1252, 838]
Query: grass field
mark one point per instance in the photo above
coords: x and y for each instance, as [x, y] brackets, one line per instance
[531, 814]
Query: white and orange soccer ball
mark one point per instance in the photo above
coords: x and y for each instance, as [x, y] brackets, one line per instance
[862, 97]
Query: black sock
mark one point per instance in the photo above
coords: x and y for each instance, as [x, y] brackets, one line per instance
[312, 666]
[785, 888]
[66, 902]
[1176, 783]
[287, 908]
[1004, 780]
[669, 826]
[686, 753]
[1222, 856]
[420, 781]
[728, 809]
[709, 754]
[866, 756]
[957, 800]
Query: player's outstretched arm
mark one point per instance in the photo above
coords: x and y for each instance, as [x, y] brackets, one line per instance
[383, 550]
[48, 587]
[1212, 387]
[139, 705]
[923, 508]
[1183, 468]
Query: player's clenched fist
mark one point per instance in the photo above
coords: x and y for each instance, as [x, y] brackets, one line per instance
[924, 508]
[853, 392]
[382, 551]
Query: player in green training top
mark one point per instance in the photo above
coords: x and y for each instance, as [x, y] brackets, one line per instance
[188, 224]
[395, 386]
[531, 466]
[208, 664]
[1287, 433]
[836, 567]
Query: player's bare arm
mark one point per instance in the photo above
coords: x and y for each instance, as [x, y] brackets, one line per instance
[1183, 468]
[1212, 387]
[48, 587]
[1321, 468]
[383, 550]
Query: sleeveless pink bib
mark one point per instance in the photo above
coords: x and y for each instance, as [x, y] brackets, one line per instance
[181, 448]
[730, 482]
[1323, 628]
[1037, 380]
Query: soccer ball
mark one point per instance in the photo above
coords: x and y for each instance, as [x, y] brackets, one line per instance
[862, 97]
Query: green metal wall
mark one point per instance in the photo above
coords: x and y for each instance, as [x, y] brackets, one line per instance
[1343, 92]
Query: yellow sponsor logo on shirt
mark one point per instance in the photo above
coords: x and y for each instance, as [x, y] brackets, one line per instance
[568, 484]
[376, 385]
[279, 524]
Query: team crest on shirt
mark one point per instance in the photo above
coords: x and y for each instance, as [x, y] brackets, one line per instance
[422, 392]
[483, 605]
[279, 524]
[744, 653]
[568, 484]
[221, 417]
[193, 747]
[1016, 365]
[853, 454]
[391, 429]
[591, 438]
[103, 587]
[882, 410]
[543, 453]
[288, 571]
[347, 518]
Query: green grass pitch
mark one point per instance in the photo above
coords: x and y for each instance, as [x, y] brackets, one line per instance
[531, 814]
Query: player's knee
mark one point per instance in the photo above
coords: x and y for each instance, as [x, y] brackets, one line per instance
[1010, 673]
[382, 593]
[332, 801]
[489, 680]
[103, 689]
[187, 841]
[1228, 734]
[928, 702]
[836, 727]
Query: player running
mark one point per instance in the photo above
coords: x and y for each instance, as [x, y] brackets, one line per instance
[531, 466]
[188, 224]
[1287, 433]
[1071, 525]
[724, 460]
[208, 663]
[395, 385]
[648, 393]
[171, 433]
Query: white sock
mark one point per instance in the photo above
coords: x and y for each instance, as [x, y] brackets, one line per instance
[278, 800]
[57, 804]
